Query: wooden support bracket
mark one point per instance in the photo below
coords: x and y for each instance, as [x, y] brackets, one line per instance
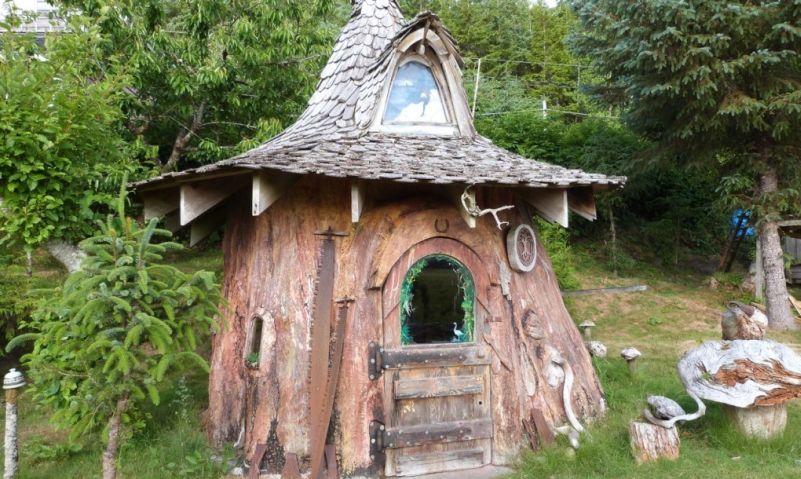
[161, 202]
[267, 188]
[550, 203]
[356, 200]
[206, 225]
[198, 198]
[582, 202]
[172, 221]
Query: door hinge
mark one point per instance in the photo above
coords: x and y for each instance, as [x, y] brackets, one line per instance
[377, 455]
[375, 360]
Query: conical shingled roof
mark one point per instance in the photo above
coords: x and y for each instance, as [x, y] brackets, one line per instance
[333, 136]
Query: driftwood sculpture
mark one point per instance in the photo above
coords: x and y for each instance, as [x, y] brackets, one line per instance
[743, 321]
[754, 378]
[574, 428]
[597, 349]
[631, 354]
[470, 205]
[665, 412]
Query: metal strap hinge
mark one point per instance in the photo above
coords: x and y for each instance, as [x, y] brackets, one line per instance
[375, 360]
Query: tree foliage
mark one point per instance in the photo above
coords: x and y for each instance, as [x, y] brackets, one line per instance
[117, 326]
[209, 78]
[716, 82]
[521, 44]
[61, 157]
[713, 81]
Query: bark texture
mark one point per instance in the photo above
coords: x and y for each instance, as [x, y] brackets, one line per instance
[270, 268]
[760, 422]
[779, 315]
[650, 442]
[113, 444]
[184, 137]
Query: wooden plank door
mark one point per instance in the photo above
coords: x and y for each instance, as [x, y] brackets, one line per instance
[437, 400]
[439, 416]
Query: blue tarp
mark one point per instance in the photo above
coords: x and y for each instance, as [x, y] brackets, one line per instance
[745, 228]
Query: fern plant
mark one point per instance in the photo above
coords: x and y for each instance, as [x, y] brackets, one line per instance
[101, 347]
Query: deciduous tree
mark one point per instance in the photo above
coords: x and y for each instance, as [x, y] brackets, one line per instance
[210, 78]
[61, 156]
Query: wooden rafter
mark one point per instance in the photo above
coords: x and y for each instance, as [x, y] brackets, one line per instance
[161, 202]
[582, 202]
[550, 203]
[267, 188]
[198, 198]
[205, 225]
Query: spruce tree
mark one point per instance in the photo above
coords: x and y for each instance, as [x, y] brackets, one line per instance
[105, 342]
[712, 81]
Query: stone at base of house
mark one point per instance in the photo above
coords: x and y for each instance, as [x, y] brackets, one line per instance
[759, 422]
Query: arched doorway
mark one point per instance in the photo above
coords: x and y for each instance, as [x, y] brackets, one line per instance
[435, 362]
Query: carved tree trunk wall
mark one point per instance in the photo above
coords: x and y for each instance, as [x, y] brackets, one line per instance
[270, 267]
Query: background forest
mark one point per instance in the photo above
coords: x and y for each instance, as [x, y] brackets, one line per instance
[144, 87]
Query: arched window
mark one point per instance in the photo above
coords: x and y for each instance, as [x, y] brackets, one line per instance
[436, 302]
[414, 96]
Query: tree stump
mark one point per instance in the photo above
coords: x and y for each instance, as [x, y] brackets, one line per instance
[759, 422]
[650, 442]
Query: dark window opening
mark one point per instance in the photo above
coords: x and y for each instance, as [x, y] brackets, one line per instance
[437, 300]
[254, 348]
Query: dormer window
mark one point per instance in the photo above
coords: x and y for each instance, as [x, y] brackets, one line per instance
[423, 94]
[415, 96]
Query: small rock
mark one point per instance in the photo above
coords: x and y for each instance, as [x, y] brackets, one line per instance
[570, 453]
[713, 283]
[597, 349]
[237, 472]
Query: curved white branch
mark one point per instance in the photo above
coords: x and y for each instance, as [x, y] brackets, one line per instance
[471, 206]
[669, 423]
[567, 392]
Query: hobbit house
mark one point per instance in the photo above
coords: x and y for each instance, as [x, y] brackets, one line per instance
[389, 311]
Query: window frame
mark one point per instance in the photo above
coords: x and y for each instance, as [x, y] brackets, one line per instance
[449, 127]
[472, 291]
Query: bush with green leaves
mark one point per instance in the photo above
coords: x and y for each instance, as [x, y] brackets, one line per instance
[62, 158]
[105, 341]
[554, 239]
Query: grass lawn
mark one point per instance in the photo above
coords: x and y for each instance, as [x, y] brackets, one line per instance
[676, 313]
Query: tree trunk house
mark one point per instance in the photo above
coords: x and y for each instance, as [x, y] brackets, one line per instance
[390, 311]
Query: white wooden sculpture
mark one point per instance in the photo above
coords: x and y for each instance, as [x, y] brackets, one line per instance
[755, 378]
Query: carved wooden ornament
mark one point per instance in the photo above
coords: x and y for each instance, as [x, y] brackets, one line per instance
[521, 248]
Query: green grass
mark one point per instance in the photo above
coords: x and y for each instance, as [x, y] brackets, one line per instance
[170, 443]
[677, 312]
